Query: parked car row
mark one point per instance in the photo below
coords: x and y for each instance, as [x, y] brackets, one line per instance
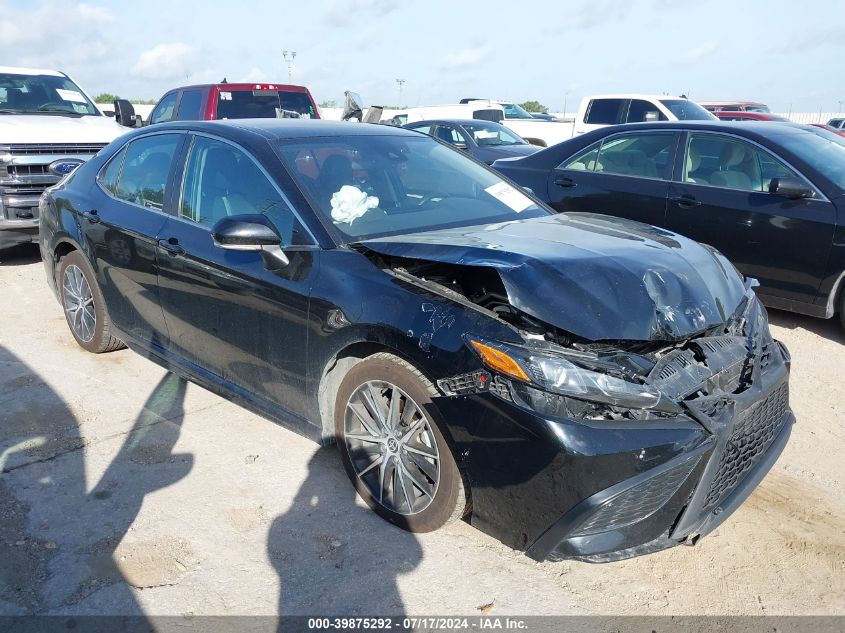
[470, 337]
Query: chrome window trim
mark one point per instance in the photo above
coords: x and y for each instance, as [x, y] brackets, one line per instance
[600, 144]
[264, 172]
[126, 146]
[818, 193]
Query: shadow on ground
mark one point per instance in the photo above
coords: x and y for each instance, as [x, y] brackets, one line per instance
[20, 255]
[333, 556]
[59, 542]
[830, 329]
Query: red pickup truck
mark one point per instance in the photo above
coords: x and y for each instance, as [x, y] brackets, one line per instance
[209, 102]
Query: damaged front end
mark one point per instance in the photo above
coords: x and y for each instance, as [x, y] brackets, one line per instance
[731, 379]
[641, 395]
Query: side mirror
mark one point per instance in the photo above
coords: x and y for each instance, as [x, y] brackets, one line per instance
[651, 115]
[124, 113]
[791, 188]
[249, 232]
[460, 146]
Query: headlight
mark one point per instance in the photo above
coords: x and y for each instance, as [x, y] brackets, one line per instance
[556, 374]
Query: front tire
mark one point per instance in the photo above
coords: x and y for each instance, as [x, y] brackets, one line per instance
[389, 435]
[84, 306]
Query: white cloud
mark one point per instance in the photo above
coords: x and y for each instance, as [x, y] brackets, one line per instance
[254, 75]
[465, 58]
[345, 12]
[700, 53]
[166, 61]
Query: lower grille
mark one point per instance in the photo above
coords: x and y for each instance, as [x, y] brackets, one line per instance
[752, 435]
[637, 503]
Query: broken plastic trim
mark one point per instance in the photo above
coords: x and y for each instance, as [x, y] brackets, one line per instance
[552, 372]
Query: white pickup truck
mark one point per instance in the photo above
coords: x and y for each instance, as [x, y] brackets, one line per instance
[596, 111]
[48, 127]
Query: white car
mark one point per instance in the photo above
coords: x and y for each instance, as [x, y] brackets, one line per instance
[535, 131]
[48, 127]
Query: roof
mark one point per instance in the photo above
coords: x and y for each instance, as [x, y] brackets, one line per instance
[453, 122]
[289, 128]
[632, 95]
[755, 129]
[734, 102]
[263, 85]
[12, 70]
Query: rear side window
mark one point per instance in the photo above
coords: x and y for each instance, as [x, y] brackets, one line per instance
[603, 111]
[488, 115]
[109, 175]
[163, 112]
[189, 106]
[146, 168]
[425, 129]
[644, 155]
[641, 110]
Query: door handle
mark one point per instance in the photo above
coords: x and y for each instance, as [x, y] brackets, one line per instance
[686, 200]
[172, 246]
[565, 181]
[92, 216]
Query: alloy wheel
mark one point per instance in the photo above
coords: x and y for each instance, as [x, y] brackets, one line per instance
[392, 447]
[78, 301]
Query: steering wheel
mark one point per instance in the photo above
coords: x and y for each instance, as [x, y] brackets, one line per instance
[431, 196]
[52, 104]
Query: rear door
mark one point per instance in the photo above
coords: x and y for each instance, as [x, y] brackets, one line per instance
[721, 197]
[626, 175]
[227, 314]
[122, 232]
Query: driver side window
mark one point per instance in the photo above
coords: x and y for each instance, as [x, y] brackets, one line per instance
[222, 181]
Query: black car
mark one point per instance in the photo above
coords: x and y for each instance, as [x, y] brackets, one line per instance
[578, 387]
[483, 140]
[767, 195]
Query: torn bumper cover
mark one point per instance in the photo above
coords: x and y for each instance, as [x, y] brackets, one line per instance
[649, 466]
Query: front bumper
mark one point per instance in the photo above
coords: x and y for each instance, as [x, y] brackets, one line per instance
[562, 489]
[11, 235]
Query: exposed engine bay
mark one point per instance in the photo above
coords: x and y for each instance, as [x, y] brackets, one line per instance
[717, 361]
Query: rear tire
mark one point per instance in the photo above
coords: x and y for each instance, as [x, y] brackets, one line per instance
[84, 306]
[389, 436]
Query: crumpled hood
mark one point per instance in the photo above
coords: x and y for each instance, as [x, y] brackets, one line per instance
[597, 277]
[52, 128]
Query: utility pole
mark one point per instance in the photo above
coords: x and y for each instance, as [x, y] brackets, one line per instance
[289, 56]
[400, 83]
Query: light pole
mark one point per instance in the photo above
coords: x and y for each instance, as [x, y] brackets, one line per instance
[400, 83]
[565, 98]
[289, 56]
[840, 106]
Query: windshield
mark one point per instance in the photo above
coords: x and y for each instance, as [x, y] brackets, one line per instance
[492, 134]
[513, 111]
[824, 151]
[686, 110]
[262, 104]
[757, 108]
[373, 186]
[43, 94]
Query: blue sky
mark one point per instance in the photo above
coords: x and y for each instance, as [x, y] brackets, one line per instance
[773, 51]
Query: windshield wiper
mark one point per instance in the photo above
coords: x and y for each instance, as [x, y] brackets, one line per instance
[2, 111]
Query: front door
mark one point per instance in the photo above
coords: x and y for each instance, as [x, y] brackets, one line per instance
[721, 198]
[122, 232]
[626, 175]
[228, 315]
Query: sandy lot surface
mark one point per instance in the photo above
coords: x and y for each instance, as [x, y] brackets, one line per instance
[124, 491]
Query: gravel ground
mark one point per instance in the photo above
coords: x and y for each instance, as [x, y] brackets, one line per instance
[126, 491]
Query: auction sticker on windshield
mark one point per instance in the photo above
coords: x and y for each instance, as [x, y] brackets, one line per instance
[506, 194]
[70, 95]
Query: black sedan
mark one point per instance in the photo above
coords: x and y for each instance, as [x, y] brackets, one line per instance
[767, 195]
[483, 140]
[576, 386]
